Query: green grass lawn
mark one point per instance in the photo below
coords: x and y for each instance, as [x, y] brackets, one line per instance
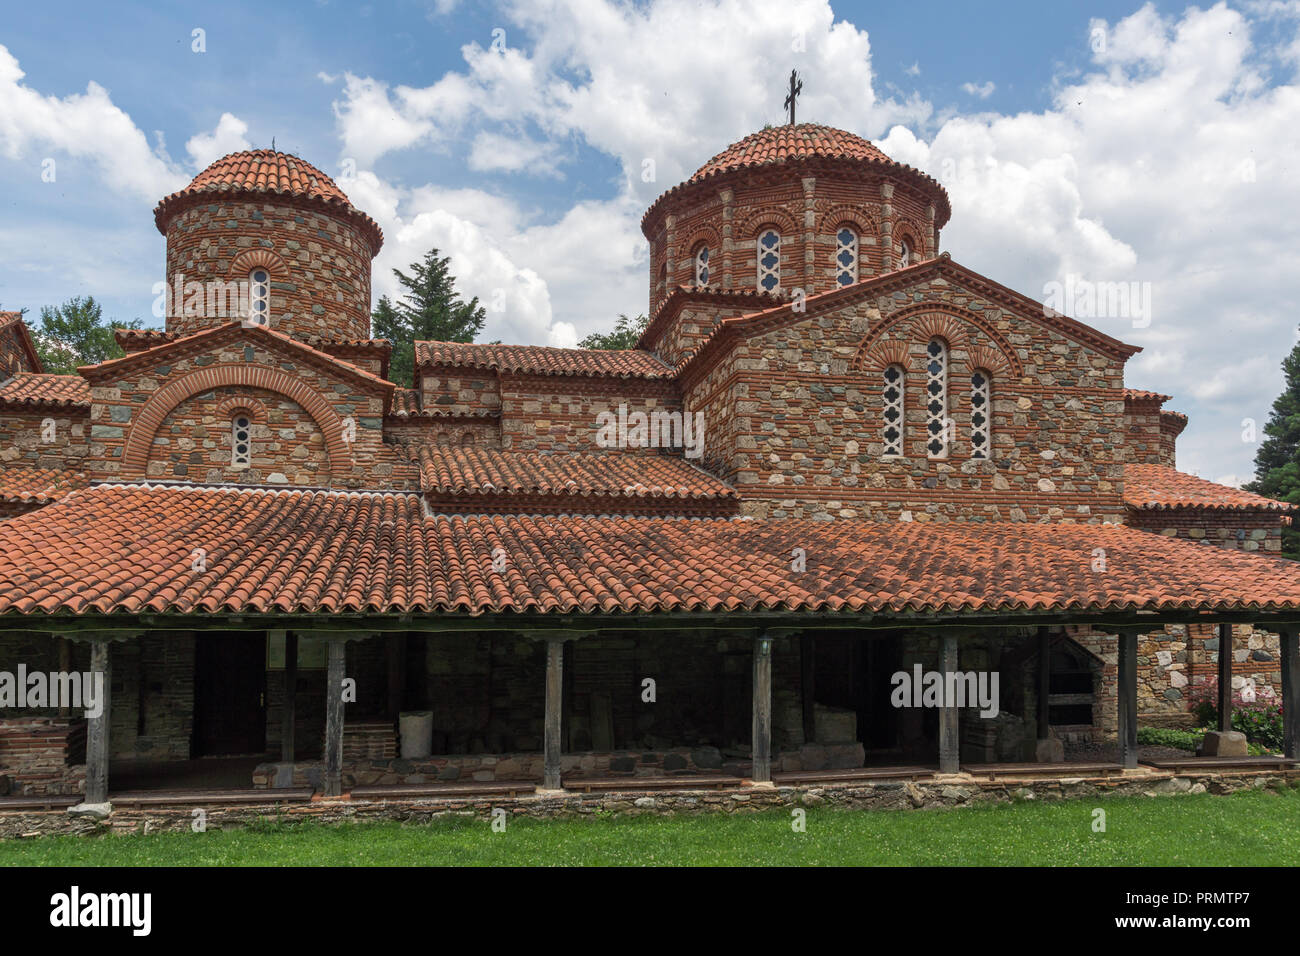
[1252, 828]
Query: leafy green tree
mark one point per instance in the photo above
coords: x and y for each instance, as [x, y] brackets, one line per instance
[1277, 462]
[76, 333]
[429, 310]
[625, 335]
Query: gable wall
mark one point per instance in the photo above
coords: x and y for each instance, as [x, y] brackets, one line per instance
[805, 437]
[13, 356]
[559, 413]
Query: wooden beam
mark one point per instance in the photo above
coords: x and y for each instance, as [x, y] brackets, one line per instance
[761, 738]
[808, 684]
[552, 746]
[1044, 682]
[334, 718]
[1127, 692]
[1290, 691]
[1225, 676]
[949, 716]
[97, 749]
[289, 718]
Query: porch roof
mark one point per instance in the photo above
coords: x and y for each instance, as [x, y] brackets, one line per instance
[136, 548]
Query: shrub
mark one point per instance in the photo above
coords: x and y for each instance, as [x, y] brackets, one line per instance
[1170, 737]
[1259, 719]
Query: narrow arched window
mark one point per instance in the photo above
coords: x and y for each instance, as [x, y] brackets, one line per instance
[904, 254]
[981, 413]
[846, 257]
[259, 297]
[768, 248]
[241, 441]
[702, 266]
[938, 428]
[892, 425]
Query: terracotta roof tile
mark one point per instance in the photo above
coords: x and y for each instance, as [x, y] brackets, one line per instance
[41, 390]
[130, 548]
[543, 360]
[777, 144]
[26, 483]
[1141, 395]
[1159, 487]
[474, 470]
[265, 171]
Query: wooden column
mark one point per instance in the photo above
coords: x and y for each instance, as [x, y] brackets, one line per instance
[334, 717]
[808, 682]
[1044, 682]
[949, 720]
[97, 727]
[1127, 690]
[552, 746]
[761, 740]
[1225, 676]
[1289, 634]
[288, 718]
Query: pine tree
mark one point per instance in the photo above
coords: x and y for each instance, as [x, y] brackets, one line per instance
[429, 310]
[75, 333]
[625, 335]
[1277, 462]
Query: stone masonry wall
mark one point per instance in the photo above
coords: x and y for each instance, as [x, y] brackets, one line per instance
[319, 264]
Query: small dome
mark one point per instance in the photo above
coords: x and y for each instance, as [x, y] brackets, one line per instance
[777, 144]
[262, 172]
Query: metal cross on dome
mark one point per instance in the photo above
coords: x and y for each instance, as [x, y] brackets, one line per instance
[796, 87]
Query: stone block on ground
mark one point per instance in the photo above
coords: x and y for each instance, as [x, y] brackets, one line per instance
[1224, 743]
[1049, 750]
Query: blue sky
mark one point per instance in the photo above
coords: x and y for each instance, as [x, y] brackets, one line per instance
[512, 136]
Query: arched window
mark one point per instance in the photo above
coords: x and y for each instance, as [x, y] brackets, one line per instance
[259, 297]
[937, 426]
[846, 256]
[904, 254]
[892, 426]
[768, 247]
[702, 266]
[981, 414]
[241, 441]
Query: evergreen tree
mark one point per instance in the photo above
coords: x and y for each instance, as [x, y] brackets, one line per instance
[625, 335]
[429, 310]
[75, 333]
[1277, 462]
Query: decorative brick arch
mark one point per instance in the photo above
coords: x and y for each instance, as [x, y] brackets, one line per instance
[147, 421]
[945, 322]
[790, 230]
[256, 410]
[251, 259]
[846, 214]
[907, 229]
[705, 235]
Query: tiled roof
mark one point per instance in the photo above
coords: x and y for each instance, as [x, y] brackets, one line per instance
[474, 470]
[782, 143]
[1159, 487]
[1141, 395]
[266, 171]
[28, 484]
[132, 548]
[41, 390]
[543, 360]
[15, 321]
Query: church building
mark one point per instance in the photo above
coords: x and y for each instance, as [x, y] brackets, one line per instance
[837, 462]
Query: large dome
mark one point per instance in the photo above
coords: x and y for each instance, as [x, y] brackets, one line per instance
[778, 144]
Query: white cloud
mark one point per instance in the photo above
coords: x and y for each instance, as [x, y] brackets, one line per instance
[228, 137]
[84, 126]
[494, 152]
[983, 90]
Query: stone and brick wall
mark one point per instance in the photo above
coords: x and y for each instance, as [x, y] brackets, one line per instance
[13, 353]
[319, 263]
[1247, 531]
[26, 438]
[40, 755]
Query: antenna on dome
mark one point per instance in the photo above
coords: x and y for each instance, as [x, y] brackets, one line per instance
[273, 144]
[796, 87]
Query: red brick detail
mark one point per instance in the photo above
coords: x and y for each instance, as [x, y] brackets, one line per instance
[135, 456]
[255, 409]
[791, 231]
[251, 259]
[843, 214]
[883, 355]
[943, 321]
[709, 236]
[990, 360]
